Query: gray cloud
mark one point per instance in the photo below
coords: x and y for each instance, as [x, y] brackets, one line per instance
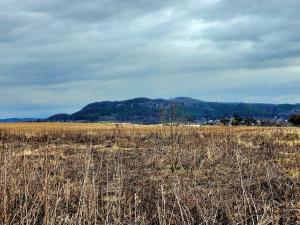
[59, 55]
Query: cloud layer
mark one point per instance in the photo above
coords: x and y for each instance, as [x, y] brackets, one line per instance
[58, 55]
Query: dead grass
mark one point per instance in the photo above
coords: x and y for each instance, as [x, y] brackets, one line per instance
[64, 173]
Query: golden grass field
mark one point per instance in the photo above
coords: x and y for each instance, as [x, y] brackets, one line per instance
[80, 173]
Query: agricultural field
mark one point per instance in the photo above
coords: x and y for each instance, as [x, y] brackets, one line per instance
[64, 173]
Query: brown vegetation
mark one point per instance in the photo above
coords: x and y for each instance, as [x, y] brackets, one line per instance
[55, 173]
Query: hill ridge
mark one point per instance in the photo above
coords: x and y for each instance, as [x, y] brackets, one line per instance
[147, 110]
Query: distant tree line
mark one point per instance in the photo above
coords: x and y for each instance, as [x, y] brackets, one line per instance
[295, 119]
[237, 120]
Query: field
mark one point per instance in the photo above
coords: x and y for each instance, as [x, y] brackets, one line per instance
[56, 173]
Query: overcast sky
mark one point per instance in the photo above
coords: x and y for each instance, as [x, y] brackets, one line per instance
[59, 55]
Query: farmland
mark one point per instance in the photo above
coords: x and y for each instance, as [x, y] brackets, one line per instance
[73, 173]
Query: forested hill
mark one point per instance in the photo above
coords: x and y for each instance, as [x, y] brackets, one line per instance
[145, 110]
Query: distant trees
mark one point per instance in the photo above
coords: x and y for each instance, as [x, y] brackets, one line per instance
[225, 121]
[295, 119]
[250, 121]
[237, 120]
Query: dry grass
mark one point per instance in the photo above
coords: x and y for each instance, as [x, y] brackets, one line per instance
[58, 173]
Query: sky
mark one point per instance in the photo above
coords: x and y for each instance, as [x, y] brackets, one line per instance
[58, 55]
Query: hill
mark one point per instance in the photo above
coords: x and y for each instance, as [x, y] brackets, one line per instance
[17, 120]
[145, 110]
